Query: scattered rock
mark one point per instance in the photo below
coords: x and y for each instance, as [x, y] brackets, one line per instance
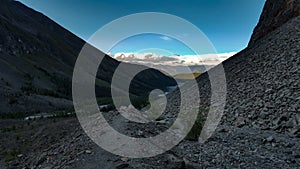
[270, 139]
[190, 165]
[41, 160]
[122, 166]
[174, 162]
[124, 159]
[240, 122]
[223, 130]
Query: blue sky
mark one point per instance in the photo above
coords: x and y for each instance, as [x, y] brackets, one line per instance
[227, 23]
[155, 43]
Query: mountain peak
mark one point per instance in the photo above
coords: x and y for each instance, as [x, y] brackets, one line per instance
[275, 14]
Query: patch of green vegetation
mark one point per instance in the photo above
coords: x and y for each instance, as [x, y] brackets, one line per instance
[64, 86]
[187, 76]
[63, 89]
[104, 100]
[10, 155]
[17, 137]
[12, 100]
[160, 118]
[139, 102]
[195, 132]
[13, 129]
[8, 130]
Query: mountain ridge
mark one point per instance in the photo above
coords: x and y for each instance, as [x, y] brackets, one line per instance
[37, 62]
[275, 14]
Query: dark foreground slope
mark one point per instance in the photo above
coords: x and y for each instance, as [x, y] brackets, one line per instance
[259, 129]
[37, 58]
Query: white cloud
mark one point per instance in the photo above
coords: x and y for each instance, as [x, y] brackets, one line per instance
[165, 38]
[175, 64]
[186, 60]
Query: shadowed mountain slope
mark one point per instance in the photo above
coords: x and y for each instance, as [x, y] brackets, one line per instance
[37, 58]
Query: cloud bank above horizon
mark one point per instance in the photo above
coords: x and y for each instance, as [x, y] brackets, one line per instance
[174, 65]
[176, 60]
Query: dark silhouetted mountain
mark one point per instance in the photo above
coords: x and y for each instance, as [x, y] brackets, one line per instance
[37, 58]
[275, 14]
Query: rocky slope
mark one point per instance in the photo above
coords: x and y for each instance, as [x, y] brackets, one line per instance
[275, 14]
[37, 58]
[263, 80]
